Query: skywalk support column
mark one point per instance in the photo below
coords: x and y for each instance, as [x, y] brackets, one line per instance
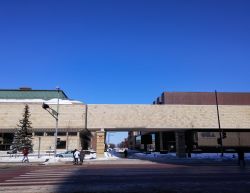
[161, 140]
[100, 143]
[180, 144]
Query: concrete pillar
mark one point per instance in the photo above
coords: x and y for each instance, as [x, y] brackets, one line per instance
[78, 141]
[93, 141]
[180, 144]
[67, 141]
[161, 141]
[100, 143]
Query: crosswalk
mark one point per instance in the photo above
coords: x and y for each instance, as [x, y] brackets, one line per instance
[43, 178]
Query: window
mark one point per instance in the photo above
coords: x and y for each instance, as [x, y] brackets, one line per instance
[61, 144]
[72, 133]
[61, 133]
[207, 134]
[38, 133]
[50, 133]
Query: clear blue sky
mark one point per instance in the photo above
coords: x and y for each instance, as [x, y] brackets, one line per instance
[125, 51]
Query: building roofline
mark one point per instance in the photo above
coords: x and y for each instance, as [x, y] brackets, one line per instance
[31, 90]
[228, 92]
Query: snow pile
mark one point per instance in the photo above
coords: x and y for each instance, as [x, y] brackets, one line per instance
[110, 155]
[19, 158]
[200, 156]
[46, 159]
[155, 155]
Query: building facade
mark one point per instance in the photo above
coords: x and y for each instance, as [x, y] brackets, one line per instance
[71, 118]
[208, 140]
[176, 121]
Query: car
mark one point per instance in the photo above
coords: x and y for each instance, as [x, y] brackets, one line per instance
[12, 151]
[65, 154]
[89, 154]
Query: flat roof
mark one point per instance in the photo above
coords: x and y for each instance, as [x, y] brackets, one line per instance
[31, 94]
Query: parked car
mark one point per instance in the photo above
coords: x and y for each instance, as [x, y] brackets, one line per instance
[89, 154]
[12, 151]
[65, 154]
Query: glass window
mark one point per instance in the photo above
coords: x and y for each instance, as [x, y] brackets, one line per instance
[207, 134]
[61, 144]
[72, 133]
[38, 133]
[50, 133]
[61, 133]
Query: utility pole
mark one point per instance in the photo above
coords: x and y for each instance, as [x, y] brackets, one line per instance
[57, 113]
[54, 114]
[220, 130]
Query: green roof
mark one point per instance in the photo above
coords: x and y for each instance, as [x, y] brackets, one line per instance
[32, 94]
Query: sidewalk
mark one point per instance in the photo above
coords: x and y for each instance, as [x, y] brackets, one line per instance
[134, 158]
[202, 159]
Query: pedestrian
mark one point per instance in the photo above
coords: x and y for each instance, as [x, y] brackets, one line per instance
[82, 156]
[76, 154]
[241, 158]
[125, 153]
[25, 155]
[74, 159]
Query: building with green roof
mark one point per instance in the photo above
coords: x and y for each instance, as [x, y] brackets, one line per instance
[28, 93]
[71, 118]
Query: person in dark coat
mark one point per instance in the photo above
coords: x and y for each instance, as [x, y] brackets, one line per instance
[82, 156]
[125, 153]
[74, 161]
[241, 158]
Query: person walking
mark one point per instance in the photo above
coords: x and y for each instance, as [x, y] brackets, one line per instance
[25, 155]
[241, 158]
[76, 154]
[82, 156]
[74, 159]
[125, 153]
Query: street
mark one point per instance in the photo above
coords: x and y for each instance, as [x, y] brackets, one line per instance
[125, 176]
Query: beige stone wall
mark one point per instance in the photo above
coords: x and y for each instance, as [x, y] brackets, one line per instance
[167, 116]
[48, 142]
[123, 117]
[100, 145]
[232, 139]
[70, 116]
[128, 116]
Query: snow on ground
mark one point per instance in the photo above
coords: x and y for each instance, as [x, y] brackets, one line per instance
[4, 157]
[112, 155]
[194, 156]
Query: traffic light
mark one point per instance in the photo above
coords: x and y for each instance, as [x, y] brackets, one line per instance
[45, 106]
[224, 135]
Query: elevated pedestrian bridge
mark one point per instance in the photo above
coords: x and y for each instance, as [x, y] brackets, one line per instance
[167, 117]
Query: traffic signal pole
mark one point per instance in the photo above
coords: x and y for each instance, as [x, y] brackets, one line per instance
[220, 130]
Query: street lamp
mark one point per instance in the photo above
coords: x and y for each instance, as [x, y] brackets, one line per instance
[55, 114]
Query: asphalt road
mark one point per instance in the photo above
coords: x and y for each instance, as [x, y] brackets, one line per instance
[114, 177]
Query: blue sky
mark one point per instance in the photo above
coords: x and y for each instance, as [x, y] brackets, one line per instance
[125, 51]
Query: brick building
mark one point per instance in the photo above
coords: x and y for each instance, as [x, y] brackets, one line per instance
[206, 140]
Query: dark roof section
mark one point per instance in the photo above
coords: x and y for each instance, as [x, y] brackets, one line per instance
[204, 98]
[31, 94]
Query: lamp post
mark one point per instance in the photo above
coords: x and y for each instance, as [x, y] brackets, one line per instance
[54, 114]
